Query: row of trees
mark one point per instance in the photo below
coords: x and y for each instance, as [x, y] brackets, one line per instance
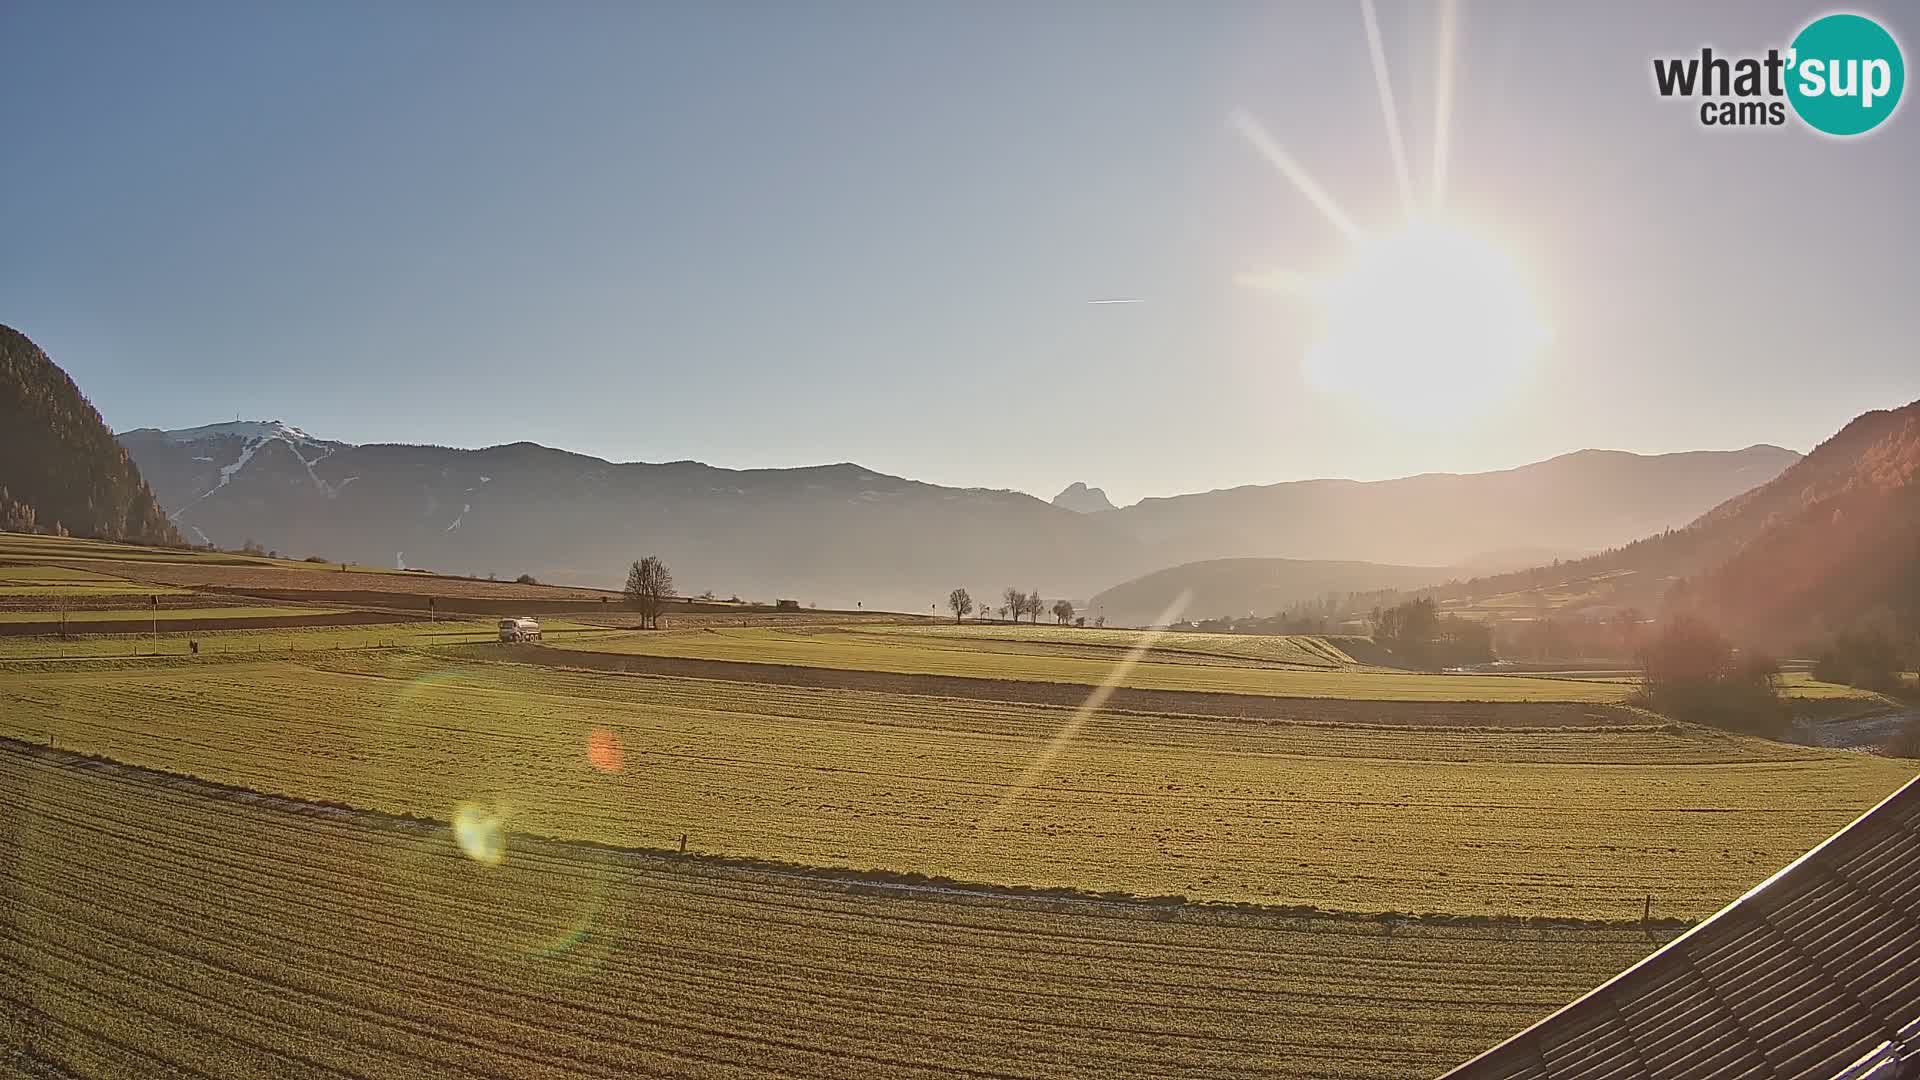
[1015, 604]
[1417, 634]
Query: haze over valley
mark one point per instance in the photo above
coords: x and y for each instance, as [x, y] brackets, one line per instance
[841, 535]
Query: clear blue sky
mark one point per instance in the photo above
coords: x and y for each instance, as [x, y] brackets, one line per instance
[782, 234]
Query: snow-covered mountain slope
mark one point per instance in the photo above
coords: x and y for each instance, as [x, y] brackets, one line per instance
[190, 464]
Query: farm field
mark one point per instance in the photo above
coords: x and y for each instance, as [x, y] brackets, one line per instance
[302, 578]
[145, 567]
[375, 635]
[1301, 650]
[150, 924]
[30, 547]
[27, 580]
[1567, 822]
[165, 615]
[920, 651]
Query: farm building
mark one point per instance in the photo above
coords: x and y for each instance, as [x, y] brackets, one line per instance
[1813, 973]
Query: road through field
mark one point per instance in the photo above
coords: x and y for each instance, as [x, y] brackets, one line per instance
[1573, 822]
[153, 925]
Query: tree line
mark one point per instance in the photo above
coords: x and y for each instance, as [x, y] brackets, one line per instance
[1015, 604]
[1418, 635]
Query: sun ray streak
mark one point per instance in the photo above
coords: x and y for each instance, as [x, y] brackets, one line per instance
[1443, 99]
[1252, 130]
[1069, 731]
[1379, 54]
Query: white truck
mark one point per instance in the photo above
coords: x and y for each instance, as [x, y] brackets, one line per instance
[519, 630]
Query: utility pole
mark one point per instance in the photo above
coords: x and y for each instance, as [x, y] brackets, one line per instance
[155, 600]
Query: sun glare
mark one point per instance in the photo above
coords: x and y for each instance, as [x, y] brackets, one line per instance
[1429, 320]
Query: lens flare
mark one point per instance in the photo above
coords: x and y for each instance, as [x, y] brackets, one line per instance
[604, 750]
[1070, 730]
[481, 833]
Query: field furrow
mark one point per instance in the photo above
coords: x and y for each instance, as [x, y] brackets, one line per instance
[270, 937]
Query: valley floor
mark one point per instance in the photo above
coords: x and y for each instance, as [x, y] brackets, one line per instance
[403, 848]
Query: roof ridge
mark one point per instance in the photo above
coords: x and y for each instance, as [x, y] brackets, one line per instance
[1535, 1035]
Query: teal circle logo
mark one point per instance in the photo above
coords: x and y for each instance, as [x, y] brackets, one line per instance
[1845, 74]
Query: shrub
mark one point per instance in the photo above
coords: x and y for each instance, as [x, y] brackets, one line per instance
[1905, 742]
[526, 579]
[317, 558]
[1419, 636]
[1690, 671]
[1868, 659]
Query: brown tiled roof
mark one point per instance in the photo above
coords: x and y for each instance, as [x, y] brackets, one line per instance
[1814, 970]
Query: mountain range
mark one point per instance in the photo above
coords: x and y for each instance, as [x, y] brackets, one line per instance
[846, 535]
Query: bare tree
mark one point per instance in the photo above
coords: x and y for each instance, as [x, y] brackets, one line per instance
[1035, 605]
[649, 586]
[1063, 611]
[1016, 603]
[961, 603]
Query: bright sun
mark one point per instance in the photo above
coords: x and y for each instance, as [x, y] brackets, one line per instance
[1429, 320]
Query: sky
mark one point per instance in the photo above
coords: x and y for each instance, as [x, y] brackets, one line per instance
[764, 235]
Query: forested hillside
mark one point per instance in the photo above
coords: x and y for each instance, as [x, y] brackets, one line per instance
[60, 467]
[1831, 544]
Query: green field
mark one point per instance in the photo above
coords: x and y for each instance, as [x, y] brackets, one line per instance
[1300, 650]
[1561, 822]
[165, 615]
[282, 640]
[148, 925]
[921, 652]
[30, 547]
[21, 581]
